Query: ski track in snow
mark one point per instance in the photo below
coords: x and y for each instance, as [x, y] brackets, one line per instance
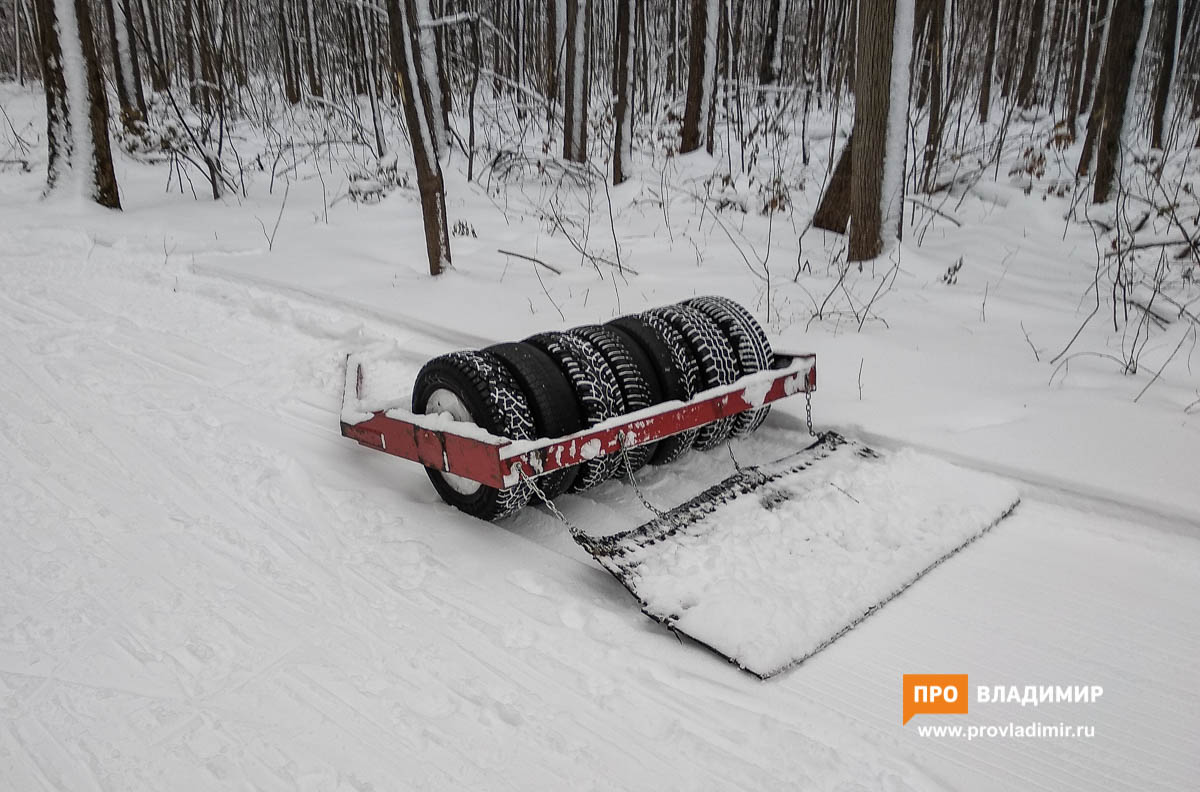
[205, 586]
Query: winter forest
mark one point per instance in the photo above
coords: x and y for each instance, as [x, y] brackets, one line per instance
[939, 93]
[981, 216]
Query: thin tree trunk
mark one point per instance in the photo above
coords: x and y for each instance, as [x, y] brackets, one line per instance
[576, 82]
[419, 116]
[1055, 53]
[1169, 43]
[770, 63]
[702, 76]
[552, 59]
[1071, 110]
[622, 145]
[1026, 95]
[989, 61]
[880, 116]
[937, 71]
[372, 90]
[79, 157]
[1128, 17]
[1099, 33]
[287, 55]
[1014, 30]
[152, 35]
[316, 85]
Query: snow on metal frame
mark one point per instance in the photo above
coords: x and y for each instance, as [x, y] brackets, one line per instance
[466, 449]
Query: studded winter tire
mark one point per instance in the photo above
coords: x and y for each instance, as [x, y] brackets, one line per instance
[714, 357]
[551, 401]
[674, 368]
[750, 343]
[596, 392]
[635, 377]
[476, 387]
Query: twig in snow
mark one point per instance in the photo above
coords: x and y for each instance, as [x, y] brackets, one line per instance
[912, 199]
[271, 237]
[1191, 332]
[1029, 341]
[555, 270]
[547, 293]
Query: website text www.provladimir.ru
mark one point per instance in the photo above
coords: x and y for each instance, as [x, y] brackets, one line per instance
[1009, 731]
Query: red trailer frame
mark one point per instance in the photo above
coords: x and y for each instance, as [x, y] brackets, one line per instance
[466, 450]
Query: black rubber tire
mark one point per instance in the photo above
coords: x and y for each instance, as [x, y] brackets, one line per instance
[748, 340]
[495, 401]
[634, 376]
[715, 358]
[674, 367]
[551, 400]
[596, 392]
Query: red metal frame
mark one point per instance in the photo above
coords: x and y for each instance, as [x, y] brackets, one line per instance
[465, 450]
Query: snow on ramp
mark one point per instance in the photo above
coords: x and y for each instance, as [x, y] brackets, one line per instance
[775, 563]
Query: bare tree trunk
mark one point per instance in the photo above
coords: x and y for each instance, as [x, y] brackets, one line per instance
[210, 83]
[76, 107]
[316, 85]
[189, 51]
[553, 56]
[622, 145]
[1128, 17]
[702, 76]
[575, 77]
[419, 116]
[937, 70]
[287, 55]
[770, 63]
[1014, 30]
[126, 73]
[372, 90]
[833, 213]
[1026, 96]
[989, 61]
[880, 117]
[157, 56]
[1166, 69]
[642, 54]
[1055, 52]
[240, 69]
[1071, 111]
[1099, 33]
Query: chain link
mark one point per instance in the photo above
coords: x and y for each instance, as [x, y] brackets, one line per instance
[808, 411]
[572, 527]
[736, 465]
[633, 482]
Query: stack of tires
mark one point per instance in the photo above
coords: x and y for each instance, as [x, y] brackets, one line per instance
[558, 383]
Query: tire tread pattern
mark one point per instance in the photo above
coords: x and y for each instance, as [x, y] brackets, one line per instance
[596, 390]
[715, 358]
[630, 378]
[507, 414]
[748, 340]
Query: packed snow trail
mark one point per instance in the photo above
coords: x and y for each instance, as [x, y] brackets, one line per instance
[205, 586]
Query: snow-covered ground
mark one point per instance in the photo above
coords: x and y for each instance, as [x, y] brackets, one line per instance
[204, 586]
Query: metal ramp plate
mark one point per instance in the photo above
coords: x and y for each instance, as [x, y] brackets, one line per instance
[776, 562]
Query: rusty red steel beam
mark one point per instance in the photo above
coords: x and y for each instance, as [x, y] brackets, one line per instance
[498, 462]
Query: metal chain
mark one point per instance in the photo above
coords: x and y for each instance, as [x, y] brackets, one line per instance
[808, 411]
[574, 529]
[633, 482]
[736, 465]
